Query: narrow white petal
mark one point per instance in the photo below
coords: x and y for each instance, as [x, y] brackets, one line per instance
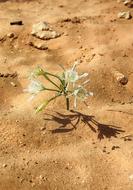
[83, 75]
[75, 64]
[85, 82]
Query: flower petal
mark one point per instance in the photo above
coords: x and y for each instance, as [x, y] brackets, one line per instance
[75, 64]
[83, 75]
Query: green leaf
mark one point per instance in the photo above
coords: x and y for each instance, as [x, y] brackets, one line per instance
[45, 103]
[47, 78]
[42, 106]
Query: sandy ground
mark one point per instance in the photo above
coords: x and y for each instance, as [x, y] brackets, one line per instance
[44, 151]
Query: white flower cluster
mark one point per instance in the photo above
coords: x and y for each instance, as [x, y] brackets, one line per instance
[68, 85]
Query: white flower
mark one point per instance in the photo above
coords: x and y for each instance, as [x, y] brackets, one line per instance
[35, 87]
[72, 76]
[80, 93]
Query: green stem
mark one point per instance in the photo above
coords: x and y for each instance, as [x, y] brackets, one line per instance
[56, 76]
[47, 78]
[44, 104]
[54, 90]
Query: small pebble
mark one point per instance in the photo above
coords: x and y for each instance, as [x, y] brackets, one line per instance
[10, 35]
[127, 15]
[13, 84]
[121, 78]
[42, 128]
[114, 147]
[4, 165]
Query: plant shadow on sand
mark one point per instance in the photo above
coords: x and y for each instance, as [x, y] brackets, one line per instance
[75, 118]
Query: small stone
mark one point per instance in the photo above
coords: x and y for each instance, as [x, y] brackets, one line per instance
[126, 15]
[13, 84]
[4, 165]
[22, 145]
[43, 128]
[41, 179]
[114, 147]
[127, 139]
[22, 180]
[55, 161]
[68, 167]
[121, 78]
[10, 35]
